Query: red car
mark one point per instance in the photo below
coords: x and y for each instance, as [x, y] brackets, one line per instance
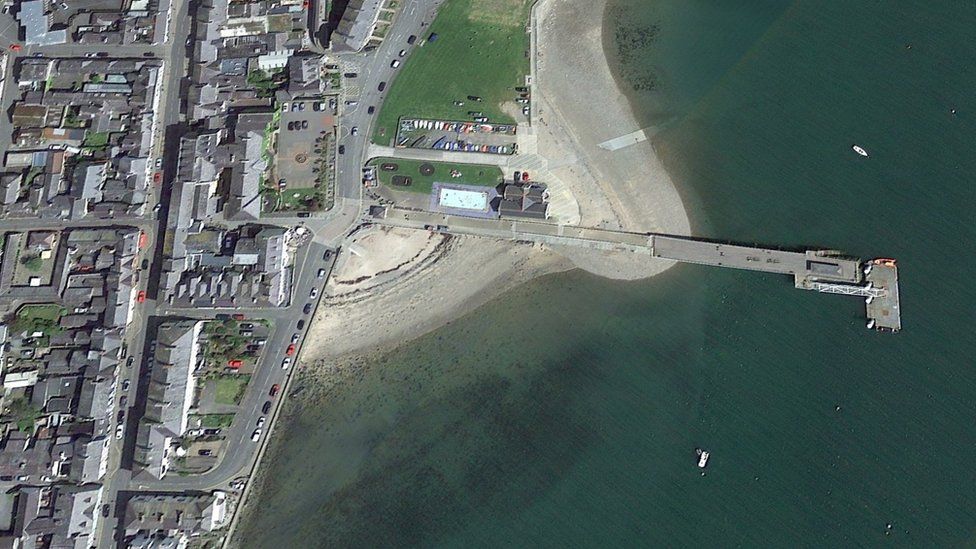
[238, 316]
[525, 176]
[290, 350]
[235, 363]
[15, 47]
[158, 177]
[274, 389]
[141, 296]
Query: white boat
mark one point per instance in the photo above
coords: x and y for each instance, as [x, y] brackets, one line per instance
[859, 150]
[702, 458]
[871, 324]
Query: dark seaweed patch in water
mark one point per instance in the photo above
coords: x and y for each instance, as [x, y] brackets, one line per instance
[488, 448]
[631, 41]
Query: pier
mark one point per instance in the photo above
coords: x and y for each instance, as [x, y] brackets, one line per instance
[823, 271]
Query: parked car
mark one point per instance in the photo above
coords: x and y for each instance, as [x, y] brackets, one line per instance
[286, 363]
[350, 75]
[141, 296]
[129, 361]
[120, 416]
[301, 324]
[274, 390]
[327, 255]
[321, 273]
[266, 408]
[205, 452]
[382, 86]
[395, 63]
[411, 39]
[106, 509]
[238, 316]
[290, 351]
[307, 308]
[123, 400]
[342, 149]
[261, 421]
[402, 53]
[119, 430]
[256, 435]
[354, 130]
[371, 110]
[314, 293]
[295, 337]
[433, 37]
[125, 385]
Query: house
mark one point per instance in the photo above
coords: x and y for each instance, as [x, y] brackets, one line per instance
[56, 516]
[170, 395]
[176, 516]
[357, 25]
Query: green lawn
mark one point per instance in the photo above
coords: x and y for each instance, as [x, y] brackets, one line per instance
[480, 50]
[213, 421]
[301, 199]
[471, 174]
[230, 388]
[95, 140]
[38, 318]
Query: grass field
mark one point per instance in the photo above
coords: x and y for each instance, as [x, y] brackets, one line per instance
[471, 174]
[480, 50]
[214, 421]
[38, 318]
[230, 389]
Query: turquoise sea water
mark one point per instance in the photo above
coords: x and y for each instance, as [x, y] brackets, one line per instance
[566, 413]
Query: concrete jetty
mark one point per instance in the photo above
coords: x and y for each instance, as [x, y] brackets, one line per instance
[823, 271]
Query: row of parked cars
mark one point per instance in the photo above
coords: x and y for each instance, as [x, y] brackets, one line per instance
[290, 351]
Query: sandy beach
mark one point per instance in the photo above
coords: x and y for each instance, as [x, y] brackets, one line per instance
[392, 286]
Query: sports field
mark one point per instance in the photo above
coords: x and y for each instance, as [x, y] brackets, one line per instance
[481, 50]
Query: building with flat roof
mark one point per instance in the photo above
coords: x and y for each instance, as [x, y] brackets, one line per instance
[462, 199]
[37, 25]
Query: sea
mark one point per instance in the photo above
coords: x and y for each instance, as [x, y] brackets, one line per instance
[567, 412]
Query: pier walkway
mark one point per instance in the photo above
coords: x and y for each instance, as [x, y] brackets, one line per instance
[819, 270]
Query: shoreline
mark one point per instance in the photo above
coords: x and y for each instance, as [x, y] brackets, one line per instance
[364, 315]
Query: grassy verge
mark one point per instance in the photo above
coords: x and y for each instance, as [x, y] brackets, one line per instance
[230, 388]
[215, 421]
[481, 50]
[471, 174]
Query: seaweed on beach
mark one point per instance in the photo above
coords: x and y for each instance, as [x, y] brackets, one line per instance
[631, 42]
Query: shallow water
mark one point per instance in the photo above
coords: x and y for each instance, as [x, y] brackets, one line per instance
[567, 412]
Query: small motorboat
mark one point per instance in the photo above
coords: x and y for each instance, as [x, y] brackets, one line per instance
[859, 150]
[702, 458]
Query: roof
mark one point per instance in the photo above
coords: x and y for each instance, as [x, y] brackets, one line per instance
[37, 25]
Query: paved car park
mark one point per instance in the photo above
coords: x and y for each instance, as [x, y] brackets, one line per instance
[461, 136]
[303, 128]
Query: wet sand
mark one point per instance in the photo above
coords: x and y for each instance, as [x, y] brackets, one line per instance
[423, 281]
